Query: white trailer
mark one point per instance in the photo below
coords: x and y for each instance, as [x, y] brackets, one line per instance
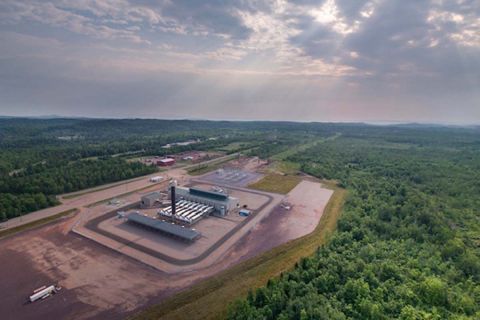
[156, 179]
[43, 292]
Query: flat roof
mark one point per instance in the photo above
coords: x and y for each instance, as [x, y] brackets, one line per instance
[209, 194]
[166, 160]
[162, 226]
[152, 196]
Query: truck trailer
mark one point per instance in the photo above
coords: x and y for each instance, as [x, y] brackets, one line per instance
[43, 292]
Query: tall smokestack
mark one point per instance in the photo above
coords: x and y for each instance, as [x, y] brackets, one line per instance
[172, 196]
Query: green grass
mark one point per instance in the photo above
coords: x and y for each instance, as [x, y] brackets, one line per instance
[209, 299]
[232, 146]
[34, 224]
[276, 183]
[286, 167]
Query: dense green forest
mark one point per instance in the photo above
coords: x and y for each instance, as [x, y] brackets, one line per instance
[41, 158]
[35, 189]
[408, 242]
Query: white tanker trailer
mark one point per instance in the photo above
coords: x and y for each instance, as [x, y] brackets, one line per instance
[43, 292]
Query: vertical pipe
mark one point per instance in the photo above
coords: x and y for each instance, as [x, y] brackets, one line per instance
[172, 196]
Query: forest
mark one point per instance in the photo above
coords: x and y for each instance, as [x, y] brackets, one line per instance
[42, 158]
[407, 245]
[408, 242]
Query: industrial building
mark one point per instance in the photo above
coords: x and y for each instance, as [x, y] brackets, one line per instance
[186, 211]
[166, 162]
[169, 229]
[149, 200]
[220, 202]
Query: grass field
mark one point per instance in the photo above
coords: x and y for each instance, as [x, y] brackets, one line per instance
[286, 167]
[36, 223]
[211, 298]
[276, 183]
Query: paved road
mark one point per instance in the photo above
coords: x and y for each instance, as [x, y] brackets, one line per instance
[78, 202]
[105, 192]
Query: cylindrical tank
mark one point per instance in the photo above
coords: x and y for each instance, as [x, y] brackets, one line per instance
[42, 293]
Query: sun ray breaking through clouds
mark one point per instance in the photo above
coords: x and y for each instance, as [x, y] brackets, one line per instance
[331, 60]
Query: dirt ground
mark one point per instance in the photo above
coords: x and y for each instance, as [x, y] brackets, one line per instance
[169, 255]
[307, 200]
[247, 164]
[212, 228]
[100, 283]
[96, 282]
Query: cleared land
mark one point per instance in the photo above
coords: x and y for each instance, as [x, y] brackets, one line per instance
[99, 283]
[214, 230]
[219, 234]
[96, 283]
[209, 299]
[276, 183]
[307, 204]
[36, 223]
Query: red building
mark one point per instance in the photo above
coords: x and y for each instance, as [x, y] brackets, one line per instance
[165, 162]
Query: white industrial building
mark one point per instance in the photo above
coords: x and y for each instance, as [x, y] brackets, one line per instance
[187, 211]
[222, 203]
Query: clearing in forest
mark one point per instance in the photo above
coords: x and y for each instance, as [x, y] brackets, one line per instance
[276, 183]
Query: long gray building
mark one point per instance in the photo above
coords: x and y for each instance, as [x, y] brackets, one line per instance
[163, 227]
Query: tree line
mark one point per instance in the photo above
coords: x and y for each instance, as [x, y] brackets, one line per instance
[407, 245]
[27, 192]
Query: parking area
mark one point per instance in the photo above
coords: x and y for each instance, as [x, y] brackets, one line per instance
[231, 177]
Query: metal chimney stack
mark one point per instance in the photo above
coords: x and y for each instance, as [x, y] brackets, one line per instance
[172, 197]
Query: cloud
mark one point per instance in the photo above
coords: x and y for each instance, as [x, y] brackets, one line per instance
[303, 59]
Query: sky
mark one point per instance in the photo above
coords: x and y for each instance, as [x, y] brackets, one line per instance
[305, 60]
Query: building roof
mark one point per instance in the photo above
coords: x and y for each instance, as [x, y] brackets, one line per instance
[167, 160]
[209, 194]
[162, 226]
[151, 196]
